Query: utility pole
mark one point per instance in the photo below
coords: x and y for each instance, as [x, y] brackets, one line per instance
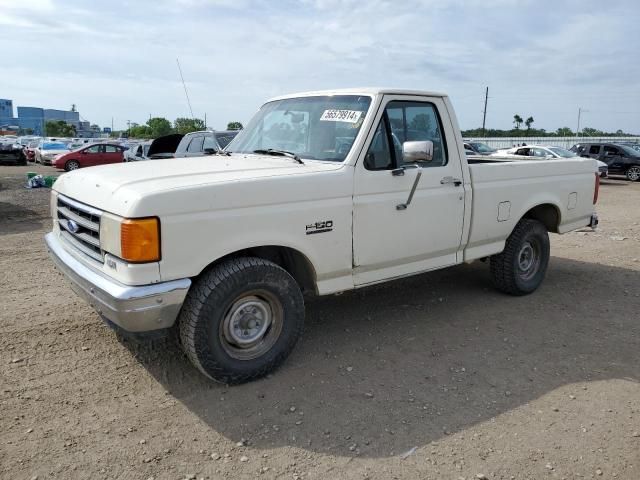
[205, 120]
[128, 128]
[578, 128]
[484, 114]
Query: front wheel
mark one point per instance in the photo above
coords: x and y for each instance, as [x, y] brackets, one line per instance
[71, 165]
[633, 173]
[241, 319]
[522, 265]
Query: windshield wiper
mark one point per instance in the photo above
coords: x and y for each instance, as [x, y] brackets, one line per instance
[282, 153]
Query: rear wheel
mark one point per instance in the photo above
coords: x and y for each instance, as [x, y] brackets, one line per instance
[522, 265]
[633, 173]
[71, 165]
[241, 319]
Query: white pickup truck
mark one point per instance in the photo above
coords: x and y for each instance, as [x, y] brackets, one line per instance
[322, 192]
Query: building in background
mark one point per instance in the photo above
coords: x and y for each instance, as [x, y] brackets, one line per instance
[7, 121]
[33, 120]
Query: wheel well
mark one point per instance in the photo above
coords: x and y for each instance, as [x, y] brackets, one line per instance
[547, 214]
[294, 262]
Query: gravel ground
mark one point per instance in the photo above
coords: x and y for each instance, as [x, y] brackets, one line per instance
[434, 377]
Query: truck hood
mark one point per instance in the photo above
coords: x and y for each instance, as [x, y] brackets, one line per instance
[117, 188]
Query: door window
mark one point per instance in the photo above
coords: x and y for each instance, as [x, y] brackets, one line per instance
[379, 156]
[594, 149]
[611, 150]
[406, 121]
[209, 142]
[196, 145]
[538, 152]
[93, 149]
[111, 149]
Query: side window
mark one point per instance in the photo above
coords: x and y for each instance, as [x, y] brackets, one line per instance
[94, 149]
[522, 151]
[379, 156]
[195, 146]
[417, 121]
[209, 142]
[611, 150]
[538, 152]
[594, 149]
[111, 149]
[223, 139]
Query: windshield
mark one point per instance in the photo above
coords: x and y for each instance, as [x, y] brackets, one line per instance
[629, 150]
[562, 152]
[54, 146]
[315, 128]
[482, 148]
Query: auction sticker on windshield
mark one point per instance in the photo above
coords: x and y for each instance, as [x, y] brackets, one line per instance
[349, 116]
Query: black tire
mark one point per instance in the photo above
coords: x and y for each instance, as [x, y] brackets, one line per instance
[633, 173]
[511, 271]
[220, 297]
[71, 165]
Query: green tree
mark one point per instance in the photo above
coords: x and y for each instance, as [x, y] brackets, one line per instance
[159, 126]
[564, 132]
[141, 131]
[187, 125]
[59, 128]
[517, 119]
[528, 122]
[592, 132]
[234, 126]
[421, 122]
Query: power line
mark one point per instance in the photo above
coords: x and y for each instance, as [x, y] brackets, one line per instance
[185, 88]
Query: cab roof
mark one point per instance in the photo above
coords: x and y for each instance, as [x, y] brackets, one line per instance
[367, 91]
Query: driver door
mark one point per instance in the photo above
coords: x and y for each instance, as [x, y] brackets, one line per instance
[390, 240]
[92, 156]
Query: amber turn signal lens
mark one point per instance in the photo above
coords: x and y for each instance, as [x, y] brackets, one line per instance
[140, 240]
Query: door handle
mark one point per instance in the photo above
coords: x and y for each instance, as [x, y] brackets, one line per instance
[447, 180]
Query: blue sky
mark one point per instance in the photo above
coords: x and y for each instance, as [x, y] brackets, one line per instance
[117, 59]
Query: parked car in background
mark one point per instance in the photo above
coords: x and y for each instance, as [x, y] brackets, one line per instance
[164, 147]
[620, 159]
[98, 154]
[207, 142]
[479, 148]
[12, 153]
[30, 150]
[550, 152]
[137, 152]
[46, 151]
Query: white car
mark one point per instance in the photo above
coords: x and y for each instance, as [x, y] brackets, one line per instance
[46, 151]
[549, 152]
[320, 193]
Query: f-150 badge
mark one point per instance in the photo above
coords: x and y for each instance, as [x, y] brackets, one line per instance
[319, 227]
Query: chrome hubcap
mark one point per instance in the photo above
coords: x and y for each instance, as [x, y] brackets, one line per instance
[251, 325]
[634, 173]
[73, 166]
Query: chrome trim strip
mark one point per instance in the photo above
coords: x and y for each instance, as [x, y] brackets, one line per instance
[80, 206]
[77, 244]
[78, 219]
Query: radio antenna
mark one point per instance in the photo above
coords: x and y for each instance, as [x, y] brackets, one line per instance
[185, 88]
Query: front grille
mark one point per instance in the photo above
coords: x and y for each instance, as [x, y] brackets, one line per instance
[80, 226]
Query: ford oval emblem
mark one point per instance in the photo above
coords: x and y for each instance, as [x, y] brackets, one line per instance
[72, 226]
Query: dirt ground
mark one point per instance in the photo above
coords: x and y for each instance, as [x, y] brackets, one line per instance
[433, 377]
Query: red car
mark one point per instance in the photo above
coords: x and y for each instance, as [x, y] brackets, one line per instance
[97, 154]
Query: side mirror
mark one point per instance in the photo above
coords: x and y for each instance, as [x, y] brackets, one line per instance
[209, 151]
[414, 152]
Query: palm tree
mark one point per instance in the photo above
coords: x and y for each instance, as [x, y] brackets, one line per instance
[517, 119]
[528, 122]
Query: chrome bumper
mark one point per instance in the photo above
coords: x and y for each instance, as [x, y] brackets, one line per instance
[134, 309]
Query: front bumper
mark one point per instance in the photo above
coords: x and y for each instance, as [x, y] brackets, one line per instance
[133, 308]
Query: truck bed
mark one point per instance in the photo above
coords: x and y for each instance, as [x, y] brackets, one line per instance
[505, 189]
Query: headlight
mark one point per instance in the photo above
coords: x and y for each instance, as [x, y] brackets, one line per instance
[135, 240]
